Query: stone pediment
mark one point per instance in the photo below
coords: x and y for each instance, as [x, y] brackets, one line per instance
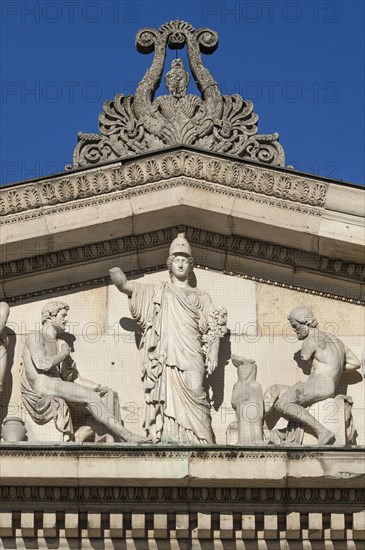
[130, 125]
[263, 238]
[97, 213]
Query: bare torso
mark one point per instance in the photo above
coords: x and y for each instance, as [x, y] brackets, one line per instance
[42, 381]
[328, 359]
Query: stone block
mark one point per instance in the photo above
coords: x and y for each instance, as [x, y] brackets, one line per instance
[274, 304]
[315, 526]
[71, 525]
[94, 525]
[337, 528]
[6, 524]
[27, 526]
[226, 525]
[359, 525]
[182, 525]
[248, 526]
[332, 415]
[293, 527]
[160, 526]
[49, 524]
[271, 526]
[115, 525]
[204, 527]
[138, 523]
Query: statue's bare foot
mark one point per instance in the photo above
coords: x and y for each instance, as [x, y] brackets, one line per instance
[130, 437]
[326, 438]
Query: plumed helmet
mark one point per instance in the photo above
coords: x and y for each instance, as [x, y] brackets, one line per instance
[180, 245]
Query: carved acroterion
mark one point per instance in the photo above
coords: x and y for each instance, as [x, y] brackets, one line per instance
[134, 124]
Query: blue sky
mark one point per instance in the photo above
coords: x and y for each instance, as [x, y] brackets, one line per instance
[300, 62]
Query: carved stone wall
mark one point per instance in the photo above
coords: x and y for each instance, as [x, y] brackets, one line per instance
[105, 341]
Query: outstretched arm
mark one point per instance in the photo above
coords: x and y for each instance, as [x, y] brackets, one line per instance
[120, 281]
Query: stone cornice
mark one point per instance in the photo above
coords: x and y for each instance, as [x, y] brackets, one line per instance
[122, 179]
[258, 496]
[120, 465]
[233, 245]
[230, 452]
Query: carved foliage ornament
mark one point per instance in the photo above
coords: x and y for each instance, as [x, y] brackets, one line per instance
[134, 124]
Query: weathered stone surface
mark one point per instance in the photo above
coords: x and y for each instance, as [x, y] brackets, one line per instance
[164, 467]
[274, 303]
[57, 243]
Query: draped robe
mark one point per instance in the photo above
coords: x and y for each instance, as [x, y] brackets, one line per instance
[173, 321]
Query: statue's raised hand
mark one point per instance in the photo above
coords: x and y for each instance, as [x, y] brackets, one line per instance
[120, 281]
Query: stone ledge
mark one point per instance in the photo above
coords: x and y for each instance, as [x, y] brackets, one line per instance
[110, 465]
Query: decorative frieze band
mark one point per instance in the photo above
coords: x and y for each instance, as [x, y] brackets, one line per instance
[163, 524]
[235, 245]
[106, 280]
[280, 497]
[278, 187]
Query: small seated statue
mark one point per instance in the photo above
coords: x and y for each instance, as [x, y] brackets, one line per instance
[247, 401]
[329, 358]
[50, 380]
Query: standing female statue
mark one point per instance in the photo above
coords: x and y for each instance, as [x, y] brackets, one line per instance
[181, 333]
